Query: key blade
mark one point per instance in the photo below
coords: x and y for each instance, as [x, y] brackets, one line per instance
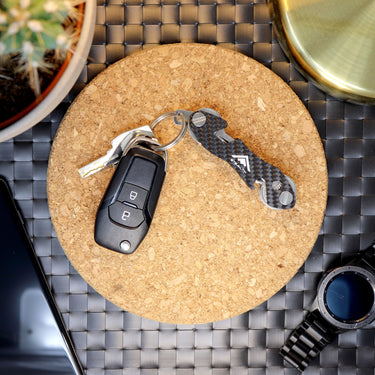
[223, 136]
[119, 145]
[93, 167]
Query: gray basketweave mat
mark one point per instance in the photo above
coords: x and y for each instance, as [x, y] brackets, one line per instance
[113, 342]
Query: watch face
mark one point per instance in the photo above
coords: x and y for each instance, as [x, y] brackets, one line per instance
[346, 297]
[349, 296]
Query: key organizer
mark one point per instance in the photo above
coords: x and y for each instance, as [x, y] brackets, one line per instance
[214, 250]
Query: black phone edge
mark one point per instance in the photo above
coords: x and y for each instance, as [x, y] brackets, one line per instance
[16, 212]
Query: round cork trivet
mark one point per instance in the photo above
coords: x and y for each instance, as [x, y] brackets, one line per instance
[214, 250]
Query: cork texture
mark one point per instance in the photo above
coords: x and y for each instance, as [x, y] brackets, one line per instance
[214, 250]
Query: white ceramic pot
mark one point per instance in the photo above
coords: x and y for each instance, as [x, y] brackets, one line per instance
[65, 83]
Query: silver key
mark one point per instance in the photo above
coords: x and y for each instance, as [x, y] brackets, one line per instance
[120, 145]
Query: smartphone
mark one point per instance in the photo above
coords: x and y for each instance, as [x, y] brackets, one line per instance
[33, 336]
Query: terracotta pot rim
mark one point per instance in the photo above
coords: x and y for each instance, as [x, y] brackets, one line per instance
[39, 99]
[61, 83]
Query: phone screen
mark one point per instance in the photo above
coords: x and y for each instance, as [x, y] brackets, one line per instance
[33, 338]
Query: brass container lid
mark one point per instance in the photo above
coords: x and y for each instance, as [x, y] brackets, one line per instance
[332, 42]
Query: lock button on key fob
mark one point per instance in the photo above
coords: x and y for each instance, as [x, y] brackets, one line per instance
[129, 203]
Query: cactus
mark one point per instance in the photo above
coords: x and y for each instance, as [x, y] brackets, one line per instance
[29, 29]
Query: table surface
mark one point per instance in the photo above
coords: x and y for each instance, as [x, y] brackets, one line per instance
[111, 341]
[213, 250]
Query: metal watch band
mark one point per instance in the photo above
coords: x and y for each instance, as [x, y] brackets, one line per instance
[364, 258]
[368, 256]
[307, 340]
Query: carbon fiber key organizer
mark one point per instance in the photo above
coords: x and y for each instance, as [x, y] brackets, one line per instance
[276, 189]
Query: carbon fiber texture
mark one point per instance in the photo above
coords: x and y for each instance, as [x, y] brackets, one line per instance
[248, 165]
[113, 342]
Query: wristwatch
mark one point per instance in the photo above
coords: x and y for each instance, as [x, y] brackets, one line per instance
[345, 300]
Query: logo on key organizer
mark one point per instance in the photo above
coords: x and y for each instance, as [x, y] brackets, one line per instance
[241, 161]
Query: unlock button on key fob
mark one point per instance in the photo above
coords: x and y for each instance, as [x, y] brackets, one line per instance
[126, 215]
[133, 194]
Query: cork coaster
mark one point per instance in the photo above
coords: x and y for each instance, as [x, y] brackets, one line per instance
[214, 250]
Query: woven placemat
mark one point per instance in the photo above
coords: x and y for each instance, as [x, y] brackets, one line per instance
[214, 250]
[111, 341]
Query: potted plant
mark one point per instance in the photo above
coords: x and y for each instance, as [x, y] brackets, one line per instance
[43, 47]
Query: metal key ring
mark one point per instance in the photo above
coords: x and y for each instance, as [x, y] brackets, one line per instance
[180, 135]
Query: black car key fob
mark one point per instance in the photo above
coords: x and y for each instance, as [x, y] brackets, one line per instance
[128, 205]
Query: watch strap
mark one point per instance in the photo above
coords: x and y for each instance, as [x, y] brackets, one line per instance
[368, 256]
[307, 340]
[364, 258]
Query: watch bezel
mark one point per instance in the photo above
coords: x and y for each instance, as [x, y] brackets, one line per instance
[370, 316]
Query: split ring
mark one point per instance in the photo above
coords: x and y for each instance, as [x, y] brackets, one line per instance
[179, 136]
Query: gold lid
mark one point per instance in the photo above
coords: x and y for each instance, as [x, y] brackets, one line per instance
[332, 41]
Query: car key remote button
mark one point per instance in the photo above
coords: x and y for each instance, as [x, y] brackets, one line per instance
[133, 194]
[144, 179]
[126, 215]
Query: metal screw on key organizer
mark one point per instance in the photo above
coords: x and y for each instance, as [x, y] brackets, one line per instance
[198, 119]
[286, 198]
